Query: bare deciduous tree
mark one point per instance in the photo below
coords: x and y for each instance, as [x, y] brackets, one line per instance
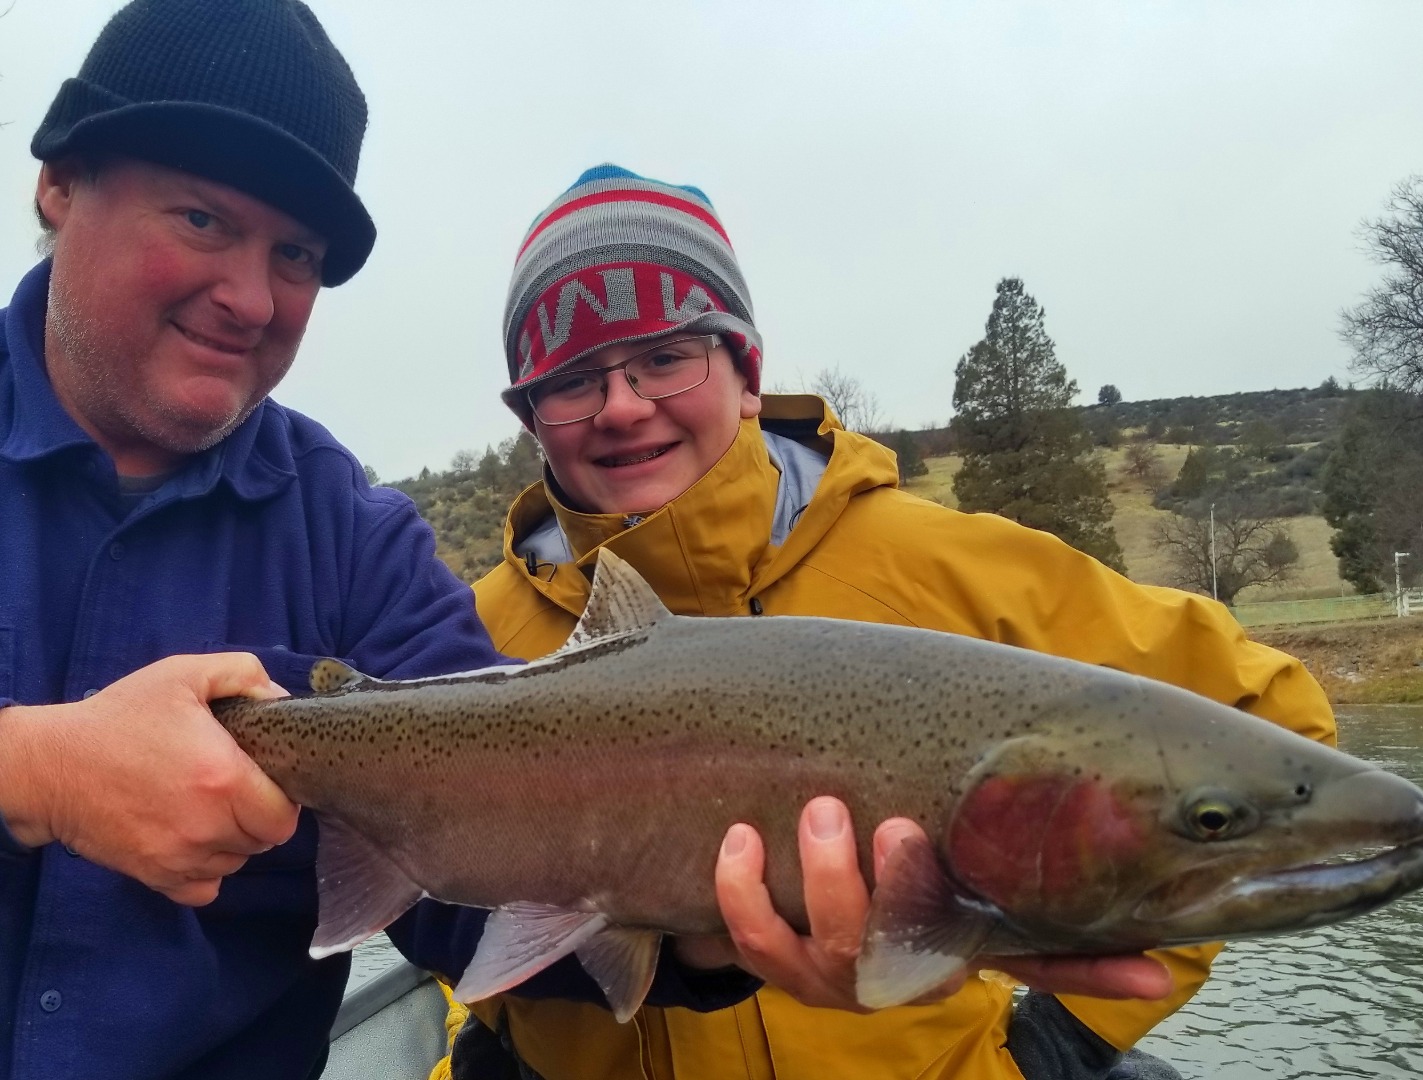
[857, 408]
[1249, 550]
[1385, 331]
[1143, 461]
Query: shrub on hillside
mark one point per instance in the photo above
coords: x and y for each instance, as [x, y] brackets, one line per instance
[1307, 464]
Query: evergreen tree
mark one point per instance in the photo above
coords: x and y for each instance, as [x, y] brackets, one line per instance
[1026, 454]
[910, 457]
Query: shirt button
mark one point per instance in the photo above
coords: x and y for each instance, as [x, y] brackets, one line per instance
[116, 550]
[51, 1000]
[91, 691]
[70, 851]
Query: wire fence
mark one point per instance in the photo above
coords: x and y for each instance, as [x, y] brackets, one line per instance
[1326, 609]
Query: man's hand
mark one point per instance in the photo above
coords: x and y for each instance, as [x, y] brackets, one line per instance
[140, 777]
[819, 970]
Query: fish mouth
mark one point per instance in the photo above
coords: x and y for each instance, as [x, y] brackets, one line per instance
[1283, 901]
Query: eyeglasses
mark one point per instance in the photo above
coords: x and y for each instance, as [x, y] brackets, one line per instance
[671, 368]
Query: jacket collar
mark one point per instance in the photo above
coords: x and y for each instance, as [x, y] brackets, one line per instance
[709, 551]
[698, 551]
[255, 460]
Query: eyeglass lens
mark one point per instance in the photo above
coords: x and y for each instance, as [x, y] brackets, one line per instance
[671, 368]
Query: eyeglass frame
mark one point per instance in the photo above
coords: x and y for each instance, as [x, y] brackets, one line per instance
[712, 341]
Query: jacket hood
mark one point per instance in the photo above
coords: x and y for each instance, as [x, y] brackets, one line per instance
[729, 536]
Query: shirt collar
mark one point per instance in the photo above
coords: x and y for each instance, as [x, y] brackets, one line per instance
[35, 424]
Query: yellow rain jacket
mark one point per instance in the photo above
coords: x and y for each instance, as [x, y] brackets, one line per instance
[861, 549]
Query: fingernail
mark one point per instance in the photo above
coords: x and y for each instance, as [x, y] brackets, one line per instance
[827, 819]
[735, 842]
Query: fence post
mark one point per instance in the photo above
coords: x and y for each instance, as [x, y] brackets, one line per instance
[1400, 601]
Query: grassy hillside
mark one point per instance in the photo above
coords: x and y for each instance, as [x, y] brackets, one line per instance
[1136, 522]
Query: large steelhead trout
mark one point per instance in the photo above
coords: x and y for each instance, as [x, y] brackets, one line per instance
[584, 796]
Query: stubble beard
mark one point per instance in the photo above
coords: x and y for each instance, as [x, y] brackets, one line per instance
[96, 383]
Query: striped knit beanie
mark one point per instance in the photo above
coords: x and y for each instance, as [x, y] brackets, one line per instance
[617, 258]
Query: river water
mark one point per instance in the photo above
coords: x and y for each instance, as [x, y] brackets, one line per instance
[1342, 1001]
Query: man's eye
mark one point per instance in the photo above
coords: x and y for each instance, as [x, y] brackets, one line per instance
[295, 253]
[198, 219]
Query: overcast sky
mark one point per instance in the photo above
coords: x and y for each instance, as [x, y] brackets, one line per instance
[1179, 184]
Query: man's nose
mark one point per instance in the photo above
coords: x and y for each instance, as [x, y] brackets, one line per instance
[622, 406]
[244, 286]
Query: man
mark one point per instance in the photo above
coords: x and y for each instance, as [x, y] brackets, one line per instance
[635, 361]
[172, 536]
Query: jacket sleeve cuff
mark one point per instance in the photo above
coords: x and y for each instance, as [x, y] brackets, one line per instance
[9, 846]
[1048, 1043]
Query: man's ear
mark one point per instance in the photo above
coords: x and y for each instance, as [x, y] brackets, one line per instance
[750, 404]
[54, 195]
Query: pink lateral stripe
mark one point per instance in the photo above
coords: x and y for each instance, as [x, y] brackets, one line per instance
[687, 206]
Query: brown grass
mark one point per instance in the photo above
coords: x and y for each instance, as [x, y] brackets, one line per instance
[937, 486]
[1136, 523]
[1368, 661]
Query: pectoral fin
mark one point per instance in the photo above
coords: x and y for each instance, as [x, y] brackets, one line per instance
[622, 962]
[520, 940]
[360, 891]
[922, 929]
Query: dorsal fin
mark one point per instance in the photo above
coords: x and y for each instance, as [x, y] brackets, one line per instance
[620, 601]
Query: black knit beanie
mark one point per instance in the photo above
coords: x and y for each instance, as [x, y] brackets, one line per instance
[250, 93]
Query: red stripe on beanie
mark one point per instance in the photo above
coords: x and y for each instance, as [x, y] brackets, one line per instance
[587, 330]
[686, 206]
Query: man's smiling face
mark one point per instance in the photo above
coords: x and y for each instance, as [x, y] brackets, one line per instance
[176, 305]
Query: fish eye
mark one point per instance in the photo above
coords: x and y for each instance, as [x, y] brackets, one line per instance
[1215, 815]
[1210, 819]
